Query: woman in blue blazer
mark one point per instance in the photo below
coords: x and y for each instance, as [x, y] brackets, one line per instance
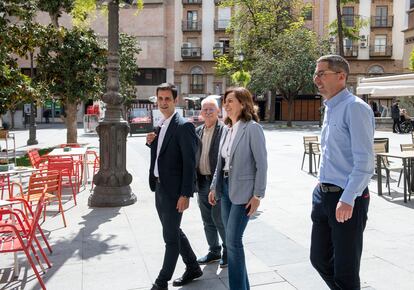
[240, 177]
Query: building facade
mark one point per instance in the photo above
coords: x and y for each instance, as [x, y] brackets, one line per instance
[408, 34]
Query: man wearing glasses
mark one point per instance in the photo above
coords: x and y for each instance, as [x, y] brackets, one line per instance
[209, 134]
[341, 198]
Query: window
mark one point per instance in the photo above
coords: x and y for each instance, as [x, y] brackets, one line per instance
[380, 43]
[308, 15]
[411, 4]
[197, 81]
[151, 76]
[381, 16]
[192, 17]
[348, 16]
[224, 15]
[347, 43]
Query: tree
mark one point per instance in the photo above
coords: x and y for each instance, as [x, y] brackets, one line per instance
[72, 63]
[339, 28]
[15, 88]
[256, 24]
[128, 52]
[412, 60]
[288, 67]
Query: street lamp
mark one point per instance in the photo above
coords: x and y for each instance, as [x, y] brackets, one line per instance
[112, 180]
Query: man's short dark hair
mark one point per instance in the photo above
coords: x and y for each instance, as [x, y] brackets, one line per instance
[168, 87]
[336, 63]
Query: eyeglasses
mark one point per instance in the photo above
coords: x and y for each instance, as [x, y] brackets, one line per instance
[324, 73]
[208, 110]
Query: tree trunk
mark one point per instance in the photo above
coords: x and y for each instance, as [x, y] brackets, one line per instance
[291, 103]
[12, 119]
[71, 111]
[272, 106]
[340, 32]
[54, 18]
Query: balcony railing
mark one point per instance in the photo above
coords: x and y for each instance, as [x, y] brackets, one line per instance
[350, 51]
[382, 21]
[189, 25]
[196, 88]
[380, 50]
[221, 24]
[220, 50]
[192, 1]
[217, 2]
[190, 52]
[350, 19]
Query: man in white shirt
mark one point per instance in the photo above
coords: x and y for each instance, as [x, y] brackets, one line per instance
[172, 177]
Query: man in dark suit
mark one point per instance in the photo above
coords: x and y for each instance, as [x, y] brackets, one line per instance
[210, 133]
[172, 177]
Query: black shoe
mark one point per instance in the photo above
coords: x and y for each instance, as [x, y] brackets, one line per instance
[223, 260]
[209, 258]
[156, 287]
[188, 276]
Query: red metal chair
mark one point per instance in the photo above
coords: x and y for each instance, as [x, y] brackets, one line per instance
[37, 181]
[69, 170]
[18, 242]
[27, 215]
[36, 160]
[72, 145]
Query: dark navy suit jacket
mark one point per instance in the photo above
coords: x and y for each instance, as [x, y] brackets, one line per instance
[176, 160]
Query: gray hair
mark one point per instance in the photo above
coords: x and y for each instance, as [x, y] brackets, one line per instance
[336, 63]
[210, 100]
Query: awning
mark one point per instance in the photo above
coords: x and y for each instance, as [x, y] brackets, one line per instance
[391, 86]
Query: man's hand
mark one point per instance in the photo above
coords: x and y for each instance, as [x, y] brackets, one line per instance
[343, 212]
[212, 198]
[253, 204]
[150, 137]
[183, 203]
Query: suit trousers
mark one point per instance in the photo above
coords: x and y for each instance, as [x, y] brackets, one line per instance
[176, 242]
[336, 248]
[211, 216]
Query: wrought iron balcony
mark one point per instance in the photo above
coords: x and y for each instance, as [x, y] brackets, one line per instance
[350, 19]
[382, 21]
[217, 2]
[220, 50]
[196, 88]
[221, 24]
[351, 51]
[192, 1]
[191, 52]
[380, 50]
[189, 25]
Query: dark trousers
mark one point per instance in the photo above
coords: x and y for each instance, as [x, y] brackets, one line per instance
[211, 216]
[176, 242]
[336, 248]
[396, 125]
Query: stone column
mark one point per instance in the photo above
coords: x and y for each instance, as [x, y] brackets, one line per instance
[113, 180]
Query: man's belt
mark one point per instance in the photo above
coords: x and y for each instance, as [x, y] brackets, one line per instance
[327, 187]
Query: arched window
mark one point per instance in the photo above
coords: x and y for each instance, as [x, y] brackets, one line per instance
[376, 70]
[197, 80]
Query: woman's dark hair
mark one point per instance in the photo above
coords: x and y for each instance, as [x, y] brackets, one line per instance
[249, 111]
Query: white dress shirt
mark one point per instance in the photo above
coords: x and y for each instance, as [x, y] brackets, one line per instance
[227, 145]
[163, 124]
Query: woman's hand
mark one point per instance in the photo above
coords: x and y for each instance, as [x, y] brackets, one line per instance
[212, 198]
[252, 206]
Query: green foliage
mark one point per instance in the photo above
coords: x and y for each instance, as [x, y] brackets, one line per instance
[128, 52]
[288, 68]
[241, 78]
[56, 7]
[351, 32]
[255, 24]
[72, 64]
[412, 60]
[15, 87]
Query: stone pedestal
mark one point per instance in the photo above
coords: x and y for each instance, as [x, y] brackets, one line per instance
[113, 180]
